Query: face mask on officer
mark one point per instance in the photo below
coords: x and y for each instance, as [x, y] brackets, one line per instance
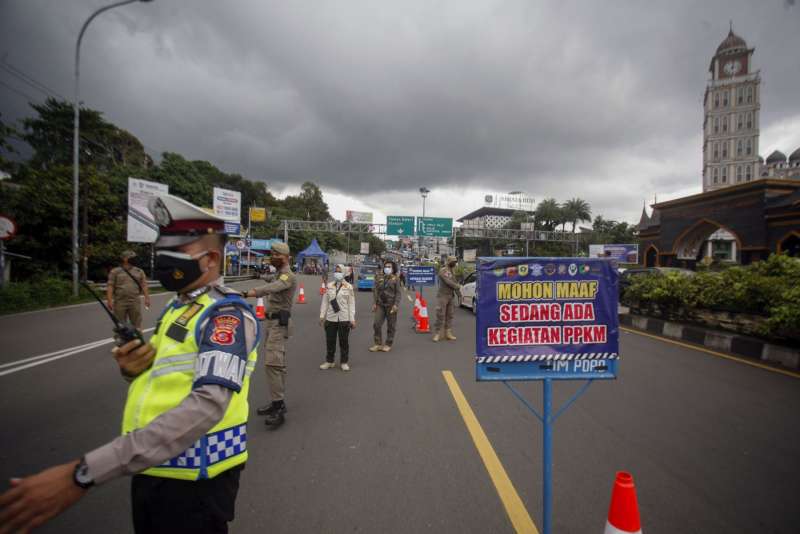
[177, 270]
[338, 276]
[451, 264]
[387, 269]
[276, 261]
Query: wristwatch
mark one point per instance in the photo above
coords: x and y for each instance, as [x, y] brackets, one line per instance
[81, 475]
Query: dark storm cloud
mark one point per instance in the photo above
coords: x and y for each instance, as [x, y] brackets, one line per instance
[367, 96]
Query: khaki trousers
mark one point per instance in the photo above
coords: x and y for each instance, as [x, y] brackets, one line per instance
[129, 309]
[275, 358]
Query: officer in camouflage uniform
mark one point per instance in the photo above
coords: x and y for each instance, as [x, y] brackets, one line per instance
[449, 291]
[279, 291]
[125, 284]
[386, 299]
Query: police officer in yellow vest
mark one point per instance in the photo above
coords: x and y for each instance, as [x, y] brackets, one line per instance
[184, 435]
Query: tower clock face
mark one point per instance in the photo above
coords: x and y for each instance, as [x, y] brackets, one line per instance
[732, 67]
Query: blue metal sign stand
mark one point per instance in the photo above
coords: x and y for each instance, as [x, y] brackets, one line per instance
[547, 319]
[547, 440]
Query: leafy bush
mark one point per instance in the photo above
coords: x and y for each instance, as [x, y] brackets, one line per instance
[39, 293]
[767, 288]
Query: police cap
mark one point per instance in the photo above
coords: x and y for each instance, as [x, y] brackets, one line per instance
[181, 222]
[127, 254]
[280, 248]
[451, 259]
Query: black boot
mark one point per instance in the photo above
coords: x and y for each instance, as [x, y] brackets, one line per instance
[275, 414]
[270, 408]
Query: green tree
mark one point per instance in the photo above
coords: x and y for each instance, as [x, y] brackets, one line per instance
[577, 210]
[548, 214]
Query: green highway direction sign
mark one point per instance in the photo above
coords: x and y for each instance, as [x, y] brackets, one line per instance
[434, 226]
[402, 225]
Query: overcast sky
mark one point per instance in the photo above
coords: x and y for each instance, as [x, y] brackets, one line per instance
[373, 99]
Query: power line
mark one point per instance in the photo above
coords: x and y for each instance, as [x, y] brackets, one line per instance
[29, 80]
[24, 95]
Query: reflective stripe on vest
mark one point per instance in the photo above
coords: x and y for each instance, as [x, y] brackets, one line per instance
[169, 381]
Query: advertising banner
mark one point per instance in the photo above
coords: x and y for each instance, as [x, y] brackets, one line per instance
[233, 228]
[358, 216]
[258, 214]
[141, 226]
[228, 204]
[364, 248]
[620, 253]
[434, 226]
[421, 275]
[470, 254]
[546, 318]
[402, 225]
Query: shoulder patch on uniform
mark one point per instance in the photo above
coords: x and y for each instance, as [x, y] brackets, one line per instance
[186, 316]
[284, 277]
[224, 332]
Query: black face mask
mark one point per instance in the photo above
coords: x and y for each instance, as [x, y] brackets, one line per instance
[451, 265]
[176, 270]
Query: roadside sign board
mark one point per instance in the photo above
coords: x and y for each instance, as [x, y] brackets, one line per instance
[621, 253]
[364, 248]
[434, 226]
[8, 228]
[541, 318]
[258, 214]
[421, 275]
[141, 226]
[240, 244]
[233, 228]
[402, 225]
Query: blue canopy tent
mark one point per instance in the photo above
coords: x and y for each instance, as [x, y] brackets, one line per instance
[313, 251]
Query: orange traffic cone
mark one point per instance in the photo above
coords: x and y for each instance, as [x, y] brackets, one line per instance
[301, 298]
[423, 326]
[623, 514]
[322, 289]
[416, 307]
[260, 309]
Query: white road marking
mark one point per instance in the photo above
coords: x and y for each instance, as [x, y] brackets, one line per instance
[33, 361]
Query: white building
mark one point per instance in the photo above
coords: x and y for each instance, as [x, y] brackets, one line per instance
[487, 217]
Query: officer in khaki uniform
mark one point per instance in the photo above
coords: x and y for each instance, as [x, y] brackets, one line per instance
[449, 291]
[125, 284]
[279, 291]
[386, 299]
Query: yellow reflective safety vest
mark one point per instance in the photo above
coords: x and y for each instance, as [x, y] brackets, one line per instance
[169, 381]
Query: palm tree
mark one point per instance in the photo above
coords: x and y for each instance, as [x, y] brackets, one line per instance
[547, 214]
[577, 210]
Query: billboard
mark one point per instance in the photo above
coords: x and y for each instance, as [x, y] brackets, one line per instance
[421, 275]
[402, 225]
[516, 200]
[141, 226]
[228, 204]
[546, 318]
[364, 247]
[258, 214]
[620, 253]
[470, 254]
[434, 227]
[358, 216]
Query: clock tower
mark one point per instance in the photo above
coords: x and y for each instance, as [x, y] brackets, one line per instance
[731, 116]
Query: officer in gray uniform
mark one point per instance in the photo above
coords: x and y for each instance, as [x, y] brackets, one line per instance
[449, 291]
[279, 291]
[386, 299]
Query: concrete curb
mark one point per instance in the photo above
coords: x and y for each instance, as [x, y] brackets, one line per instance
[749, 347]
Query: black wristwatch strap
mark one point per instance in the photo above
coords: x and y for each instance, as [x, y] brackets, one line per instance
[81, 475]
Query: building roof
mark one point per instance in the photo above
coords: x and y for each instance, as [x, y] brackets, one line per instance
[488, 210]
[732, 43]
[776, 157]
[794, 156]
[644, 220]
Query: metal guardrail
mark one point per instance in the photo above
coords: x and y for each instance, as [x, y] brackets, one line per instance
[101, 286]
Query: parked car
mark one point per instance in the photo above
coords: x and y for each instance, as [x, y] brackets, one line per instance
[366, 276]
[627, 276]
[468, 292]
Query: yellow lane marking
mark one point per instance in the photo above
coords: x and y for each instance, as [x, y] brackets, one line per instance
[714, 353]
[516, 511]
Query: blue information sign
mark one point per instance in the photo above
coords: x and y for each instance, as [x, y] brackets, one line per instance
[233, 228]
[543, 318]
[421, 276]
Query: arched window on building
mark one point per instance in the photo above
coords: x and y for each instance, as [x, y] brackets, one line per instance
[716, 99]
[739, 147]
[716, 151]
[725, 98]
[749, 150]
[739, 95]
[716, 125]
[725, 123]
[750, 94]
[725, 150]
[715, 175]
[739, 121]
[738, 173]
[748, 172]
[724, 174]
[749, 120]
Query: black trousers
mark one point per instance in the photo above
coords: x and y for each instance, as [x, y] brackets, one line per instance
[170, 506]
[341, 329]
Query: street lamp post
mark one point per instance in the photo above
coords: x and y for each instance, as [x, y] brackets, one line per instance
[76, 141]
[424, 192]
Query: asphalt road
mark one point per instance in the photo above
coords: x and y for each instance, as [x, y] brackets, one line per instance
[712, 444]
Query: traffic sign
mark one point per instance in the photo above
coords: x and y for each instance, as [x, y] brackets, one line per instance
[434, 227]
[421, 275]
[7, 228]
[402, 225]
[240, 244]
